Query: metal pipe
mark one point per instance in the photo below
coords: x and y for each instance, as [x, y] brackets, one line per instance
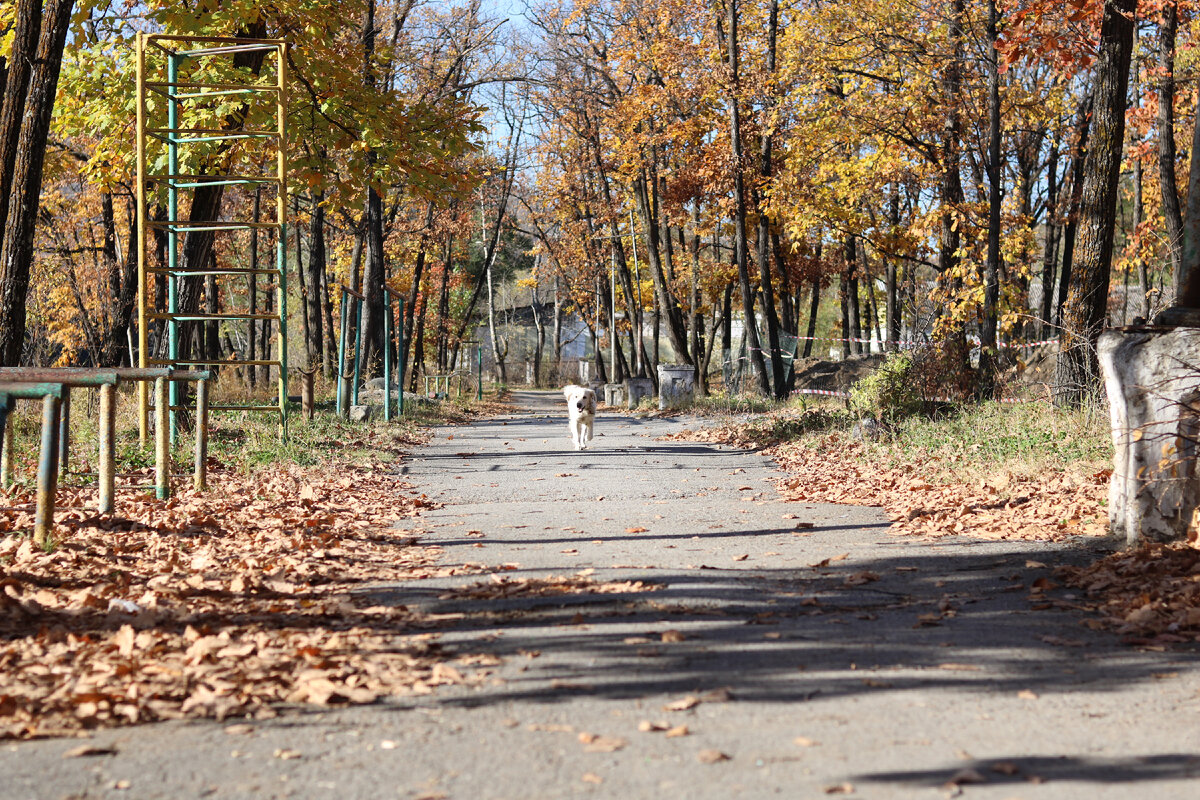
[5, 441]
[358, 335]
[107, 465]
[399, 352]
[281, 203]
[162, 440]
[341, 374]
[201, 476]
[281, 329]
[64, 433]
[47, 479]
[387, 355]
[173, 236]
[143, 333]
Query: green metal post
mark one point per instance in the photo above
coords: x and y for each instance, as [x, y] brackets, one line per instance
[162, 439]
[107, 464]
[64, 433]
[400, 356]
[387, 356]
[47, 481]
[358, 333]
[341, 373]
[200, 475]
[479, 383]
[281, 304]
[5, 442]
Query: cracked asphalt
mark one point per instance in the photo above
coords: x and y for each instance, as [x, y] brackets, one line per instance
[791, 649]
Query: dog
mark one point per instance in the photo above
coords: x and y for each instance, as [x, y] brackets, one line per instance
[581, 413]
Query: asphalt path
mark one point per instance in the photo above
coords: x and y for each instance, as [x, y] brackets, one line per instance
[789, 649]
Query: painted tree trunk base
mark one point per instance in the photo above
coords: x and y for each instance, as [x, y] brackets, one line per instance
[1152, 378]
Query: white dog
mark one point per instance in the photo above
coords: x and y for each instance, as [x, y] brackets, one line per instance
[581, 411]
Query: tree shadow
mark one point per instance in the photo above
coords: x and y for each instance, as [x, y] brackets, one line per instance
[1021, 769]
[921, 621]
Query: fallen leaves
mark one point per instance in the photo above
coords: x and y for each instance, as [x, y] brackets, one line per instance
[712, 756]
[592, 743]
[682, 704]
[1050, 506]
[217, 604]
[1150, 594]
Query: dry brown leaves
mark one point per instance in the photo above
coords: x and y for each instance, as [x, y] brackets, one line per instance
[213, 604]
[1055, 506]
[1150, 594]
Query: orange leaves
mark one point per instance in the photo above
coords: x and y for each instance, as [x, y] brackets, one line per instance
[1151, 593]
[217, 604]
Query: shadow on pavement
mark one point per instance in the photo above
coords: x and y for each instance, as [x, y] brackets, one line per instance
[1025, 769]
[924, 621]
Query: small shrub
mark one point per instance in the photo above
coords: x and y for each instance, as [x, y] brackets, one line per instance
[889, 392]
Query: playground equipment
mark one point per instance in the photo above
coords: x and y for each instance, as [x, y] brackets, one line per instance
[349, 382]
[184, 86]
[53, 386]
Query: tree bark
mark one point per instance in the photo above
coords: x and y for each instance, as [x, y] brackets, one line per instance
[764, 224]
[1077, 375]
[1070, 230]
[1049, 250]
[1171, 210]
[991, 272]
[666, 301]
[316, 284]
[24, 178]
[754, 345]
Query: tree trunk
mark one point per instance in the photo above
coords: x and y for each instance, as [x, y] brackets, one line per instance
[891, 280]
[306, 333]
[1083, 125]
[1172, 213]
[1077, 375]
[252, 373]
[666, 301]
[764, 225]
[410, 311]
[443, 313]
[317, 266]
[123, 287]
[739, 200]
[991, 272]
[21, 173]
[811, 333]
[1049, 250]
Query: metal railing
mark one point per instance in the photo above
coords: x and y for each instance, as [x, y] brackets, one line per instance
[53, 386]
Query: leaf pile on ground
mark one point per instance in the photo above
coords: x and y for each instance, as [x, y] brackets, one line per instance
[1150, 594]
[214, 604]
[1052, 506]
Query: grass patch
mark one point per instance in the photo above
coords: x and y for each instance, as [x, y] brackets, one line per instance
[728, 404]
[1023, 439]
[240, 441]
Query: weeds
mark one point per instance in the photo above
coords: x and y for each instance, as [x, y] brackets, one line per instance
[1023, 439]
[718, 404]
[240, 441]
